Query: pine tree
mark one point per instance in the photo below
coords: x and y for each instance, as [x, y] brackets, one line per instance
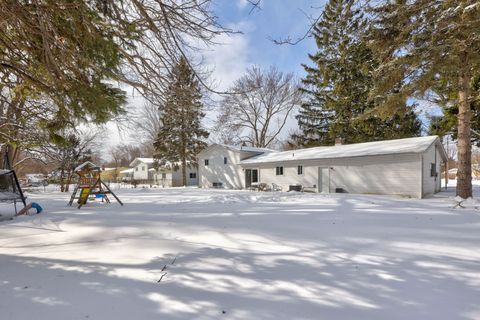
[339, 84]
[180, 138]
[446, 124]
[430, 46]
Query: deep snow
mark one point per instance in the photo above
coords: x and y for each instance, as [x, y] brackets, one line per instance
[242, 255]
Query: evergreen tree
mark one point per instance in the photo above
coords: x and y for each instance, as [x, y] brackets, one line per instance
[339, 83]
[430, 46]
[180, 138]
[446, 124]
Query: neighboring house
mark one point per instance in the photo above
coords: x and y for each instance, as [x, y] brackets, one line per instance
[126, 175]
[113, 174]
[141, 172]
[219, 166]
[166, 175]
[409, 167]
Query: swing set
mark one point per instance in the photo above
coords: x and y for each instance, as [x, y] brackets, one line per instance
[90, 185]
[10, 190]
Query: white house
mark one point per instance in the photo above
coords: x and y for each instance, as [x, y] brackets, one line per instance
[409, 167]
[165, 175]
[141, 168]
[219, 166]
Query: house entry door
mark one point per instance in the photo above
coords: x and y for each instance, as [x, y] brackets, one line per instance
[251, 176]
[324, 180]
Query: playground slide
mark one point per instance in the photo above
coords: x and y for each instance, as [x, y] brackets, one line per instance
[84, 195]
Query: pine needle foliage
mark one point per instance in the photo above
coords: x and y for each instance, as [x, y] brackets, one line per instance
[339, 83]
[426, 47]
[181, 136]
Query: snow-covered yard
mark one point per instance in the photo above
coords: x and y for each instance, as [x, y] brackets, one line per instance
[215, 254]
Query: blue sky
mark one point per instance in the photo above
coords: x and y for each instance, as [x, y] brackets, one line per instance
[235, 53]
[276, 19]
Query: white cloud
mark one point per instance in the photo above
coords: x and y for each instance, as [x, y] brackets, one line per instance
[242, 4]
[229, 59]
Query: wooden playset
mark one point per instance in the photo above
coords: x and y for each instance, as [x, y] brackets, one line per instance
[90, 185]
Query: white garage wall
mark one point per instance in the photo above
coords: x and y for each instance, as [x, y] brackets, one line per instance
[431, 184]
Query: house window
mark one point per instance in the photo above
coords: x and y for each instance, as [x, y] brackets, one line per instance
[279, 171]
[300, 170]
[143, 168]
[136, 168]
[206, 162]
[193, 175]
[433, 170]
[225, 160]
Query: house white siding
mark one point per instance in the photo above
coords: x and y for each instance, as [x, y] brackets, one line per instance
[169, 178]
[230, 174]
[431, 183]
[140, 172]
[383, 174]
[192, 177]
[163, 179]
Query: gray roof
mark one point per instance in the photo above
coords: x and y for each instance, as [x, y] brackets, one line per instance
[409, 145]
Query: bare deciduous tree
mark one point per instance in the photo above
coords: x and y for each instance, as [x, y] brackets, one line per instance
[75, 55]
[147, 123]
[260, 108]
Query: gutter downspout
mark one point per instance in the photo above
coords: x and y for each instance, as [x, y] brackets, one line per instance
[421, 176]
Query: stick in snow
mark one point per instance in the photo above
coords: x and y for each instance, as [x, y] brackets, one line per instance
[163, 275]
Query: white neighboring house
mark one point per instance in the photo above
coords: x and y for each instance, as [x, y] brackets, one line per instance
[141, 170]
[165, 176]
[409, 167]
[219, 166]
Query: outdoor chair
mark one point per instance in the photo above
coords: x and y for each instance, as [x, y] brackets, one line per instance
[276, 187]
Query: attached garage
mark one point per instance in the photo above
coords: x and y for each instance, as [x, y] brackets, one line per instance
[409, 167]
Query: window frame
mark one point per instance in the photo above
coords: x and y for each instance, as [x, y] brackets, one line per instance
[279, 171]
[206, 162]
[193, 175]
[433, 169]
[300, 170]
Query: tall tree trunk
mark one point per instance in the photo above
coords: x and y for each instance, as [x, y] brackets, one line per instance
[464, 174]
[69, 180]
[62, 182]
[184, 171]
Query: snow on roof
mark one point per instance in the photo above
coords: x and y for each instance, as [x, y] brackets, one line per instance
[241, 148]
[85, 164]
[144, 160]
[408, 145]
[127, 171]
